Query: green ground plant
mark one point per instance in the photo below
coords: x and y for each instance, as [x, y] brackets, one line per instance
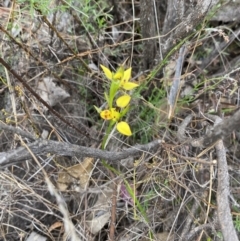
[92, 14]
[42, 6]
[237, 223]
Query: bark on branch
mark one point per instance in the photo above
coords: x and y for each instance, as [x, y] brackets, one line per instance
[43, 147]
[223, 207]
[181, 19]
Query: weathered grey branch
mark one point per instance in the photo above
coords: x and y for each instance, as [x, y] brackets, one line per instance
[176, 81]
[223, 207]
[16, 131]
[181, 20]
[223, 193]
[43, 147]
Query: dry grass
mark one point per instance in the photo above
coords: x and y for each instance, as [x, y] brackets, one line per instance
[166, 192]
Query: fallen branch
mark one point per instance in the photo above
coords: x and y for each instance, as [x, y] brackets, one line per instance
[223, 209]
[16, 130]
[43, 147]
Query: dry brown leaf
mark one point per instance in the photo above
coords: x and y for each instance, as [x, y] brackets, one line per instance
[55, 225]
[51, 92]
[77, 175]
[101, 212]
[161, 237]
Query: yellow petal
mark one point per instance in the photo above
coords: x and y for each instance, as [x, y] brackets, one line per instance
[124, 128]
[127, 75]
[119, 73]
[129, 85]
[115, 114]
[123, 101]
[106, 114]
[107, 72]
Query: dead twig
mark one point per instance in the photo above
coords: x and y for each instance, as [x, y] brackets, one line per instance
[222, 130]
[175, 88]
[16, 130]
[194, 159]
[223, 209]
[43, 147]
[182, 128]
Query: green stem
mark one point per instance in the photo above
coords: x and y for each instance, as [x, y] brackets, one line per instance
[107, 134]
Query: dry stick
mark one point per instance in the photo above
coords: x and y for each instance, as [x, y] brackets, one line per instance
[175, 88]
[182, 128]
[194, 159]
[224, 212]
[8, 67]
[222, 130]
[43, 147]
[209, 200]
[44, 65]
[16, 130]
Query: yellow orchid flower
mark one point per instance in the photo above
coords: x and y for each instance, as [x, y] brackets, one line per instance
[119, 74]
[106, 114]
[114, 115]
[111, 114]
[123, 101]
[122, 75]
[125, 84]
[124, 128]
